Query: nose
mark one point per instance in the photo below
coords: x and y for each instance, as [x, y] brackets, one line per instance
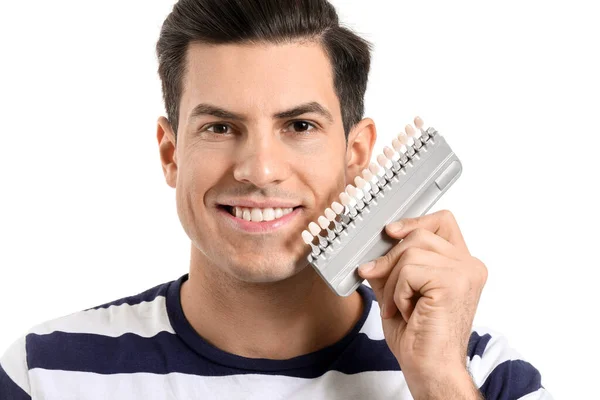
[262, 160]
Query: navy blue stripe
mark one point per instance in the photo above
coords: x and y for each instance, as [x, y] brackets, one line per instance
[511, 380]
[166, 353]
[10, 390]
[365, 354]
[477, 344]
[147, 295]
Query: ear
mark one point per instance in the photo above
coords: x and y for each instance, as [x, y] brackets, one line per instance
[167, 148]
[359, 148]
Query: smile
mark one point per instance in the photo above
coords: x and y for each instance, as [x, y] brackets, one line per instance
[259, 220]
[258, 214]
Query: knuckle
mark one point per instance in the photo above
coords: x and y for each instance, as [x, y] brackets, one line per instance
[447, 215]
[411, 255]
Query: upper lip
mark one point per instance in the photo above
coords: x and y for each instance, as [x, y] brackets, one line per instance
[269, 203]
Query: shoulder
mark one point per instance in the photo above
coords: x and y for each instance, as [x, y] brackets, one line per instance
[59, 342]
[126, 315]
[498, 369]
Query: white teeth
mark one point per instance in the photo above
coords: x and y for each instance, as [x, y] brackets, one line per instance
[260, 214]
[257, 215]
[314, 228]
[268, 214]
[246, 214]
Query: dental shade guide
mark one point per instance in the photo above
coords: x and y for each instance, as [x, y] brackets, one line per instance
[406, 181]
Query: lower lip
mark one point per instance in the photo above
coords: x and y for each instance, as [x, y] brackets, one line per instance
[260, 227]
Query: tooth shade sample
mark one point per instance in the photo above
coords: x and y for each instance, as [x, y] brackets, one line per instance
[419, 123]
[307, 237]
[337, 207]
[323, 222]
[402, 138]
[238, 212]
[410, 131]
[391, 154]
[362, 184]
[375, 170]
[354, 192]
[347, 200]
[314, 228]
[384, 162]
[330, 214]
[399, 147]
[278, 213]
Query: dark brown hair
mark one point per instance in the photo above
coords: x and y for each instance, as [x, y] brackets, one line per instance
[260, 21]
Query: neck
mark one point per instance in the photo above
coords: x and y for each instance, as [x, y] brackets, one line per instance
[279, 320]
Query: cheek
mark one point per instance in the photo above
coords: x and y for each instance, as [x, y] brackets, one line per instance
[325, 173]
[201, 171]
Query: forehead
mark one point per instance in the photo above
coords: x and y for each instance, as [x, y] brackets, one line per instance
[252, 77]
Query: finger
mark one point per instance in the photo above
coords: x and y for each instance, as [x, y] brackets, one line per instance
[416, 283]
[413, 256]
[377, 272]
[427, 240]
[442, 223]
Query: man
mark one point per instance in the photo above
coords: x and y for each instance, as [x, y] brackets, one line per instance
[264, 129]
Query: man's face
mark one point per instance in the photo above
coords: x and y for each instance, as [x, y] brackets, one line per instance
[260, 135]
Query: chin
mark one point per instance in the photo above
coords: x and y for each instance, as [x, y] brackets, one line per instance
[265, 270]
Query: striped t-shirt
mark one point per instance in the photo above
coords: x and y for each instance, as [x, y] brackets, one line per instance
[142, 347]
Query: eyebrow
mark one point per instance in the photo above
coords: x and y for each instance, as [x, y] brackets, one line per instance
[310, 107]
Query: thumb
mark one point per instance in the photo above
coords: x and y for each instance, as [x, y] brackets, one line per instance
[376, 273]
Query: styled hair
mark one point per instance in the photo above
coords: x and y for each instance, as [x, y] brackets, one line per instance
[263, 21]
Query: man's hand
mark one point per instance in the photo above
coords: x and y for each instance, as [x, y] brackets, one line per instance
[428, 287]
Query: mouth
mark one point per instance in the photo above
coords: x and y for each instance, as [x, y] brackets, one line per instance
[259, 220]
[258, 214]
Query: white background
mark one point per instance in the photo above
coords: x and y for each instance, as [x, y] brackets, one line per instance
[86, 216]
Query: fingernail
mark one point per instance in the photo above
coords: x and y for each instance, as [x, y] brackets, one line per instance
[395, 226]
[382, 310]
[366, 267]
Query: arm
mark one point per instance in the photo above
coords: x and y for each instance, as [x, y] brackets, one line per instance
[14, 378]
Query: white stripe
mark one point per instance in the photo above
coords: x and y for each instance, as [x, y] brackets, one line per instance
[14, 362]
[540, 394]
[145, 319]
[496, 352]
[63, 385]
[372, 326]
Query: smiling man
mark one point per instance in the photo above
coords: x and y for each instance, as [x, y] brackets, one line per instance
[264, 129]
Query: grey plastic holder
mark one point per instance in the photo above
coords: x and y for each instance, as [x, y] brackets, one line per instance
[410, 192]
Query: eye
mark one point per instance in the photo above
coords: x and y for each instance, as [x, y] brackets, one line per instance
[218, 129]
[301, 126]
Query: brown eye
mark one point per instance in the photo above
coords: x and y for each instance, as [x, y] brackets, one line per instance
[301, 126]
[218, 128]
